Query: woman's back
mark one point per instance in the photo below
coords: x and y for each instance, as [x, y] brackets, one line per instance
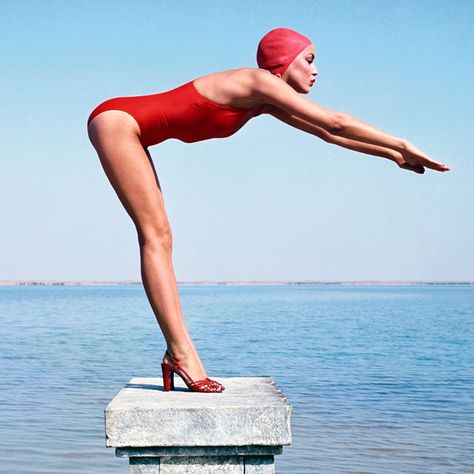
[182, 113]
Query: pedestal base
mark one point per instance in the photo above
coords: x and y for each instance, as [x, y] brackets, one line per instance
[202, 465]
[238, 431]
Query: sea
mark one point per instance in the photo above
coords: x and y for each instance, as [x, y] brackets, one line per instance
[380, 378]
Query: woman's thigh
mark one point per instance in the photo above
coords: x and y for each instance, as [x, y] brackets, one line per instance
[129, 169]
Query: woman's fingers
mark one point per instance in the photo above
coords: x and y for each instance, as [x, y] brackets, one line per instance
[434, 165]
[420, 159]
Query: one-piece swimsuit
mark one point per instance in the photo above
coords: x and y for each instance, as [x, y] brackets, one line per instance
[181, 113]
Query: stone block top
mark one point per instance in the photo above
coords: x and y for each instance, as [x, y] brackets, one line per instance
[250, 411]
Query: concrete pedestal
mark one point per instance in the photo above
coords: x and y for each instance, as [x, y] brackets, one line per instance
[237, 431]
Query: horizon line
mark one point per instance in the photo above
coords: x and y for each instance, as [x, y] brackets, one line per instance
[236, 282]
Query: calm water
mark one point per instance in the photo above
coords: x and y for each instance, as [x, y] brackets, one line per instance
[381, 379]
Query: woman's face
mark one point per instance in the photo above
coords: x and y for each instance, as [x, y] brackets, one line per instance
[301, 73]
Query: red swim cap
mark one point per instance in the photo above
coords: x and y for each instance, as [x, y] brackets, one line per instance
[278, 48]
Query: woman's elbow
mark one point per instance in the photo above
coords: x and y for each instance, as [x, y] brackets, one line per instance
[339, 122]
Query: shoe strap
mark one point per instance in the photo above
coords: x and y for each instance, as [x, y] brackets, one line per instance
[195, 383]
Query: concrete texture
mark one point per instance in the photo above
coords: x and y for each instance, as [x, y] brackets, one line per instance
[251, 411]
[188, 465]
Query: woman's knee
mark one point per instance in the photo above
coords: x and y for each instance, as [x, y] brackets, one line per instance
[156, 236]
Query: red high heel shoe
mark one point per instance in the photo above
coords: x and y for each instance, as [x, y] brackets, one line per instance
[168, 369]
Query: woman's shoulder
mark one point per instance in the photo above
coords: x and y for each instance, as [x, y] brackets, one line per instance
[234, 86]
[233, 75]
[253, 82]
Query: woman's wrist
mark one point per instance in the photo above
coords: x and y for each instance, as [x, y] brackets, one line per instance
[403, 145]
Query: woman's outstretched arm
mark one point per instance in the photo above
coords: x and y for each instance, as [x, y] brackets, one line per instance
[355, 145]
[272, 90]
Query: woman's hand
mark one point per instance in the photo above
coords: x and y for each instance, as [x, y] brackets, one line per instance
[414, 160]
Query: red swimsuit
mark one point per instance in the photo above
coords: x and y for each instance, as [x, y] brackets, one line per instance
[181, 113]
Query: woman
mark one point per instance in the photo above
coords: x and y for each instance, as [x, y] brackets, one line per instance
[212, 106]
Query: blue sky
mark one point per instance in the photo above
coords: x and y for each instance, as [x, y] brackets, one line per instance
[270, 202]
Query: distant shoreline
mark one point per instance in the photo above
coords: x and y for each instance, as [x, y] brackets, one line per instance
[232, 283]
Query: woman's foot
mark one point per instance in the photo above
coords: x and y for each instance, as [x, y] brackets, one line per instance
[192, 371]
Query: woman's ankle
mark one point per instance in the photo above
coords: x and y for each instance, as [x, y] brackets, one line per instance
[181, 352]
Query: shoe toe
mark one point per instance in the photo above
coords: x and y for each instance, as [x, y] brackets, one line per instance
[215, 385]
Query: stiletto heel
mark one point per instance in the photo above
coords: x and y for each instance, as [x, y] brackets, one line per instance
[169, 369]
[168, 378]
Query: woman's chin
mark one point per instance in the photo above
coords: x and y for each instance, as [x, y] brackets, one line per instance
[301, 89]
